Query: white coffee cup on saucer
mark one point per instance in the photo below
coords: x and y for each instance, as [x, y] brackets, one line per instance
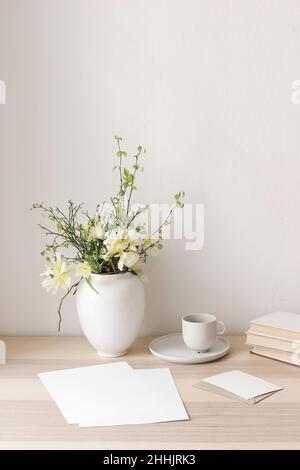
[200, 330]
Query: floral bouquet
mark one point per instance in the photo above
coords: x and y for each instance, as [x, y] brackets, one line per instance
[110, 241]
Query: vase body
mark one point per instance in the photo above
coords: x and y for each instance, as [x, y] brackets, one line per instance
[112, 318]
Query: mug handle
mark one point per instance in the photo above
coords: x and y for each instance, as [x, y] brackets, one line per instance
[222, 325]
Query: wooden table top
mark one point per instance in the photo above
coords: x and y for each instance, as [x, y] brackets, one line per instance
[29, 418]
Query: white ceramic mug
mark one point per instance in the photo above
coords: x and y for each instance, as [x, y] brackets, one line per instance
[200, 330]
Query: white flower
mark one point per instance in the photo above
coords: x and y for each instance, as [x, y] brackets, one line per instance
[134, 237]
[127, 258]
[115, 242]
[49, 271]
[122, 239]
[97, 231]
[84, 269]
[121, 232]
[57, 275]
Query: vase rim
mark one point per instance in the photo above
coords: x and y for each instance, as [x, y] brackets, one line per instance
[111, 275]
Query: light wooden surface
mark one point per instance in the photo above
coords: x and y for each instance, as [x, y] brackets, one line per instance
[29, 419]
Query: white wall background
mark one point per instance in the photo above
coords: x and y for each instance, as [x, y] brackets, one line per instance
[206, 87]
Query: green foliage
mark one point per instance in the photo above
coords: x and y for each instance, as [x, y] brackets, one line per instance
[178, 198]
[88, 281]
[120, 153]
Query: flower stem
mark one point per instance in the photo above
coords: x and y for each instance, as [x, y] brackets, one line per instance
[74, 286]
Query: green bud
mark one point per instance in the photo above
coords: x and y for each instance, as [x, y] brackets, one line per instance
[121, 153]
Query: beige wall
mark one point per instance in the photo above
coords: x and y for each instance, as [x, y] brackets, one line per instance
[206, 86]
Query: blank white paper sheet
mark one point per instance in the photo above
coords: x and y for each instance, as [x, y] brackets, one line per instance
[87, 387]
[115, 394]
[154, 400]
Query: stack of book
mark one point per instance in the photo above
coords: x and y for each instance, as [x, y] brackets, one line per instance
[277, 336]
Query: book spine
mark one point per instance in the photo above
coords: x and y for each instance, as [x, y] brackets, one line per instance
[272, 343]
[268, 355]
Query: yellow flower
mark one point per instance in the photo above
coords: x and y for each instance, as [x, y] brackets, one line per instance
[115, 244]
[84, 269]
[118, 247]
[57, 275]
[127, 258]
[123, 240]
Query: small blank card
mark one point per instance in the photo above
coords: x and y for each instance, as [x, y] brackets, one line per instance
[238, 384]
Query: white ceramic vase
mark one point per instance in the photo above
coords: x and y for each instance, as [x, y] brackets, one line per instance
[112, 318]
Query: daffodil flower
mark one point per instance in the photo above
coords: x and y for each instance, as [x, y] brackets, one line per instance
[57, 275]
[84, 269]
[128, 259]
[115, 243]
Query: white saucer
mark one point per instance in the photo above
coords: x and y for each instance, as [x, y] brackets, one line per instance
[172, 348]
